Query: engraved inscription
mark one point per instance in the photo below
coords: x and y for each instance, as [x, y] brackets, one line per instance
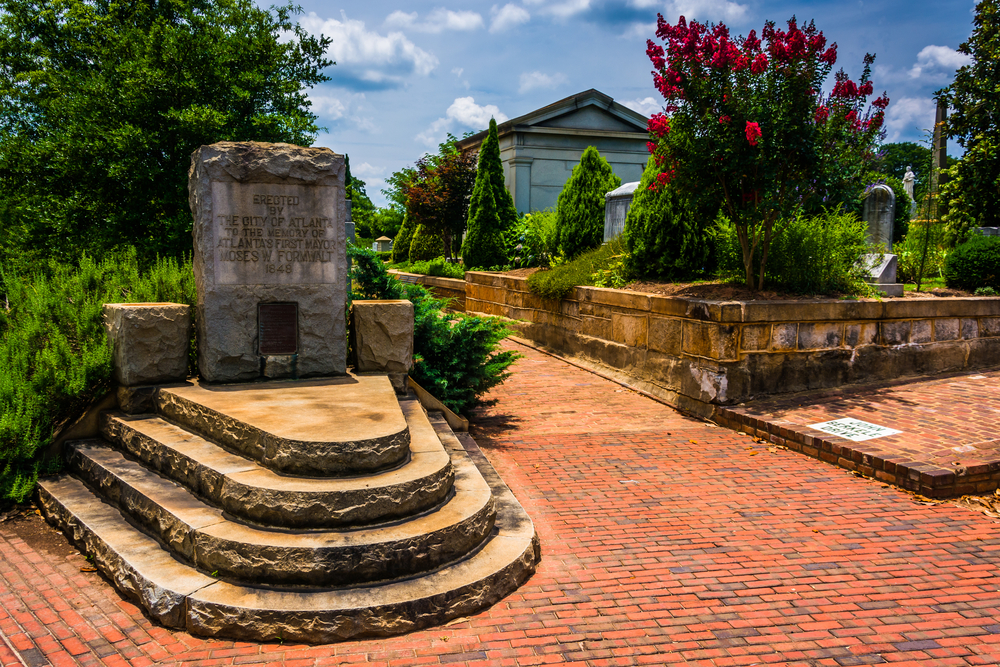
[277, 328]
[267, 234]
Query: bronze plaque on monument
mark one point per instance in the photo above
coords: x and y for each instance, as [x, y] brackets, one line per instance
[278, 328]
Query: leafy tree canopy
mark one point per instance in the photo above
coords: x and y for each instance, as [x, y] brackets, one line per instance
[103, 101]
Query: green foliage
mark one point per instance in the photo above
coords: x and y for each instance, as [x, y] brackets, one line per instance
[54, 353]
[974, 264]
[973, 194]
[484, 244]
[895, 158]
[664, 234]
[435, 267]
[102, 103]
[985, 291]
[401, 244]
[601, 264]
[456, 356]
[426, 244]
[533, 240]
[491, 209]
[811, 255]
[910, 252]
[580, 207]
[437, 196]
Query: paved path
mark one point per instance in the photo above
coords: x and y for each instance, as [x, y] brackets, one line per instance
[665, 541]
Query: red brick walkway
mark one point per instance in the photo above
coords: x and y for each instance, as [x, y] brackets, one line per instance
[949, 440]
[665, 541]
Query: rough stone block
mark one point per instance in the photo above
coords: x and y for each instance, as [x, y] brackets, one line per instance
[856, 335]
[970, 328]
[755, 337]
[895, 333]
[150, 341]
[710, 340]
[629, 329]
[268, 232]
[946, 329]
[784, 337]
[382, 336]
[989, 327]
[920, 332]
[665, 335]
[819, 335]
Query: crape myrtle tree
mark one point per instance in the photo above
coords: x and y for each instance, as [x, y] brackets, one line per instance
[491, 210]
[437, 198]
[580, 206]
[103, 101]
[972, 191]
[747, 129]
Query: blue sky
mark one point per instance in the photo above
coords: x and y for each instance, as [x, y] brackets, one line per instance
[408, 73]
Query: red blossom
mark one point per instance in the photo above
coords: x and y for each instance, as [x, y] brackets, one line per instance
[658, 125]
[866, 88]
[822, 113]
[759, 64]
[829, 57]
[846, 89]
[724, 120]
[651, 147]
[881, 103]
[753, 133]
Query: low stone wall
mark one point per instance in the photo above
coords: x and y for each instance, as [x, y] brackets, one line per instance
[700, 354]
[443, 288]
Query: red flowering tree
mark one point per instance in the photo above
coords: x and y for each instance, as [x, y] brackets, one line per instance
[746, 124]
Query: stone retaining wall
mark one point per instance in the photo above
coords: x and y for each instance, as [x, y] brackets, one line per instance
[699, 354]
[443, 288]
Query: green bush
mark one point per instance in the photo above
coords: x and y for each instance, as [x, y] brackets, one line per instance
[587, 269]
[384, 255]
[665, 236]
[911, 249]
[401, 244]
[580, 207]
[491, 208]
[533, 240]
[426, 244]
[456, 356]
[975, 263]
[436, 267]
[811, 255]
[54, 354]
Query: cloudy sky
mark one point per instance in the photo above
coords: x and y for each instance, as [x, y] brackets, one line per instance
[409, 72]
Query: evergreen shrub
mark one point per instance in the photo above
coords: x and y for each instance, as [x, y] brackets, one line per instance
[587, 269]
[580, 207]
[810, 255]
[426, 244]
[54, 353]
[974, 264]
[456, 356]
[491, 209]
[401, 244]
[664, 234]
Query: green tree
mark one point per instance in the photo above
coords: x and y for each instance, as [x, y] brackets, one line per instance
[491, 210]
[972, 193]
[362, 208]
[438, 198]
[401, 243]
[580, 207]
[103, 101]
[426, 244]
[664, 235]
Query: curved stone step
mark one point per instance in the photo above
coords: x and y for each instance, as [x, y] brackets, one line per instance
[180, 596]
[250, 491]
[343, 425]
[204, 536]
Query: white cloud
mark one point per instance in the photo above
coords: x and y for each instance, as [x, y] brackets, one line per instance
[716, 10]
[343, 108]
[366, 171]
[508, 16]
[568, 8]
[646, 106]
[327, 107]
[908, 114]
[377, 57]
[938, 60]
[463, 111]
[533, 80]
[436, 22]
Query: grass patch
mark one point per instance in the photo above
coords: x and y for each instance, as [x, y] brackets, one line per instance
[587, 269]
[432, 267]
[926, 284]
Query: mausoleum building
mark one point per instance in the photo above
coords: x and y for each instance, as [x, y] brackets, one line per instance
[540, 149]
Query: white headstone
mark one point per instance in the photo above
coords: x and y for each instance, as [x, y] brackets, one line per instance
[879, 211]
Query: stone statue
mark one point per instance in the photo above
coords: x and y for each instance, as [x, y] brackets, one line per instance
[908, 179]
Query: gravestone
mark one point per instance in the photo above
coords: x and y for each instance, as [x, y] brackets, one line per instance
[879, 211]
[616, 206]
[269, 260]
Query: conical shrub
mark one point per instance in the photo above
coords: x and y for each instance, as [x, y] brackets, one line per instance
[483, 247]
[580, 207]
[401, 244]
[426, 244]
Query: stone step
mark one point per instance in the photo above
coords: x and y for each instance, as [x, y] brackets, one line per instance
[204, 536]
[344, 425]
[248, 490]
[180, 596]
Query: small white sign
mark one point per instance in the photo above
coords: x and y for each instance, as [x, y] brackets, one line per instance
[854, 429]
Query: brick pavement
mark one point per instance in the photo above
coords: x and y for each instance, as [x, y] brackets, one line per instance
[949, 443]
[666, 541]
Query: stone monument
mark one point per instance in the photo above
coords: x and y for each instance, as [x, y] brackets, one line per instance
[879, 211]
[269, 260]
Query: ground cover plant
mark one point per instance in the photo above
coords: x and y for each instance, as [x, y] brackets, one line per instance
[590, 268]
[456, 356]
[434, 267]
[746, 128]
[54, 352]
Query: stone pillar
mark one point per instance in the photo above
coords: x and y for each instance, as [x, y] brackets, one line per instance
[382, 338]
[269, 260]
[520, 183]
[149, 341]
